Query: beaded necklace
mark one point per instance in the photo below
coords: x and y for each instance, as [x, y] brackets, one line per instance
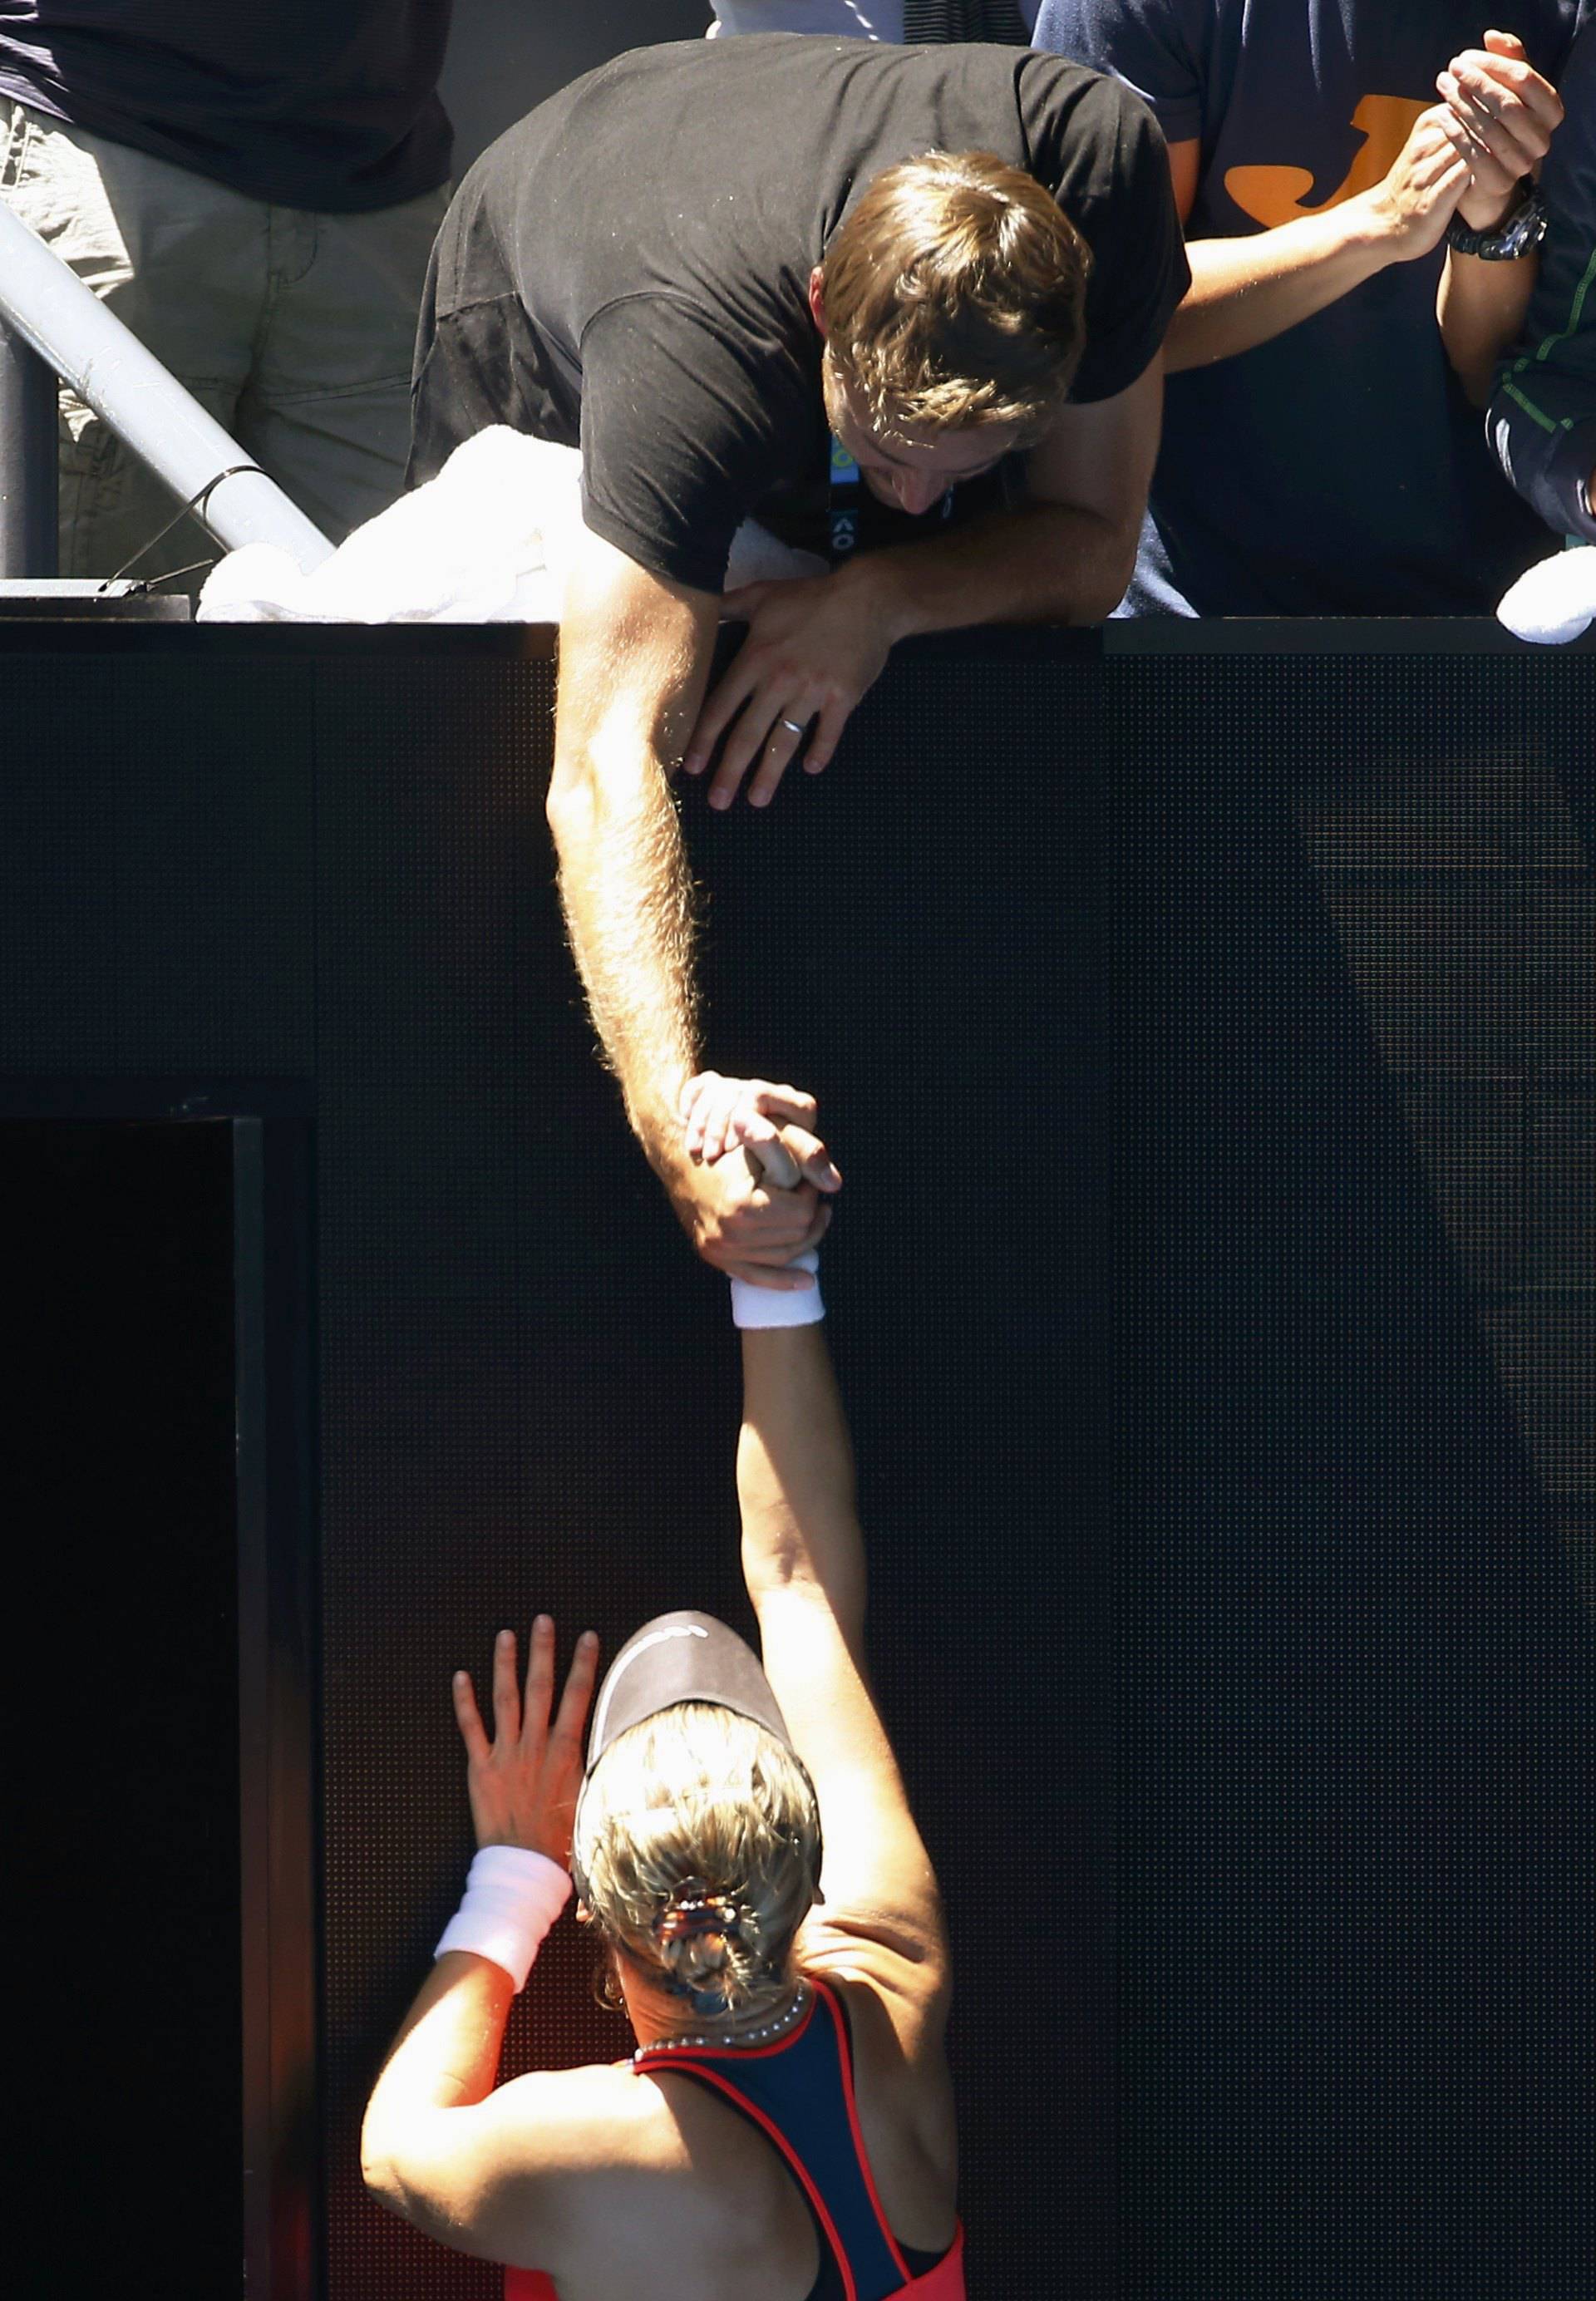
[777, 2028]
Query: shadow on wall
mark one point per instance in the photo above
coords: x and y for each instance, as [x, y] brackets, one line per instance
[503, 57]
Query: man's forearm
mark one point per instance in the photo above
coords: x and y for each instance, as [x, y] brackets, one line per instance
[628, 899]
[1481, 307]
[1041, 564]
[1246, 290]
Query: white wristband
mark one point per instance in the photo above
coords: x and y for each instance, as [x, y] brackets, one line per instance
[513, 1897]
[769, 1306]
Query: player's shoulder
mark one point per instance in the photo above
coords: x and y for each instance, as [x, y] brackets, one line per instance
[603, 2117]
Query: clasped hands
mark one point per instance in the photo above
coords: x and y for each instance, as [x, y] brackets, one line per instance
[768, 1176]
[1468, 155]
[1504, 115]
[753, 1185]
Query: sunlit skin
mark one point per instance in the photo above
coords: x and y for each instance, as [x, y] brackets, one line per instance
[1468, 155]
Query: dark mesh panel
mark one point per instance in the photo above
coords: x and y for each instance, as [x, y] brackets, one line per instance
[1355, 1716]
[156, 877]
[118, 1498]
[1206, 1040]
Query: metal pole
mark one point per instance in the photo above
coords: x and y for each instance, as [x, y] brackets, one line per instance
[28, 474]
[106, 366]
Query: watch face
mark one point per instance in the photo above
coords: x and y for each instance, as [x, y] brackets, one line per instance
[1525, 228]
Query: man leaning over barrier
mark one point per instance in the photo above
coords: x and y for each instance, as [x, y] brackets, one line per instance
[905, 307]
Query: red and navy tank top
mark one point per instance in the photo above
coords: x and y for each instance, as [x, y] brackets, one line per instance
[800, 2092]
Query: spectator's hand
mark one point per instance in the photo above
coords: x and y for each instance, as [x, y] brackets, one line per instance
[744, 1224]
[776, 1123]
[522, 1785]
[813, 650]
[1508, 115]
[1413, 203]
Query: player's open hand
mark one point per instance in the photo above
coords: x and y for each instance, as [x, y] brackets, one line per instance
[813, 651]
[524, 1784]
[777, 1122]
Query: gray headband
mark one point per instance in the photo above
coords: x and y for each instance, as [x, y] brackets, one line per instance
[675, 1658]
[683, 1657]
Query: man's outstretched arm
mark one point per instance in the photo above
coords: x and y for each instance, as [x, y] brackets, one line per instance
[634, 652]
[634, 656]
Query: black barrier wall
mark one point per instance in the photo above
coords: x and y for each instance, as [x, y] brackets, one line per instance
[1205, 1040]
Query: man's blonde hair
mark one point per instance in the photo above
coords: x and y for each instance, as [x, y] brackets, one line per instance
[954, 297]
[699, 1810]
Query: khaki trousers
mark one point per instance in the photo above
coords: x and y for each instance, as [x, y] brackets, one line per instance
[295, 330]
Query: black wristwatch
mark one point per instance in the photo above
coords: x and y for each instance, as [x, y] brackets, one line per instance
[1516, 235]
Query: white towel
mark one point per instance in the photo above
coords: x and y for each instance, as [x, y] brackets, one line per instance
[489, 540]
[1556, 599]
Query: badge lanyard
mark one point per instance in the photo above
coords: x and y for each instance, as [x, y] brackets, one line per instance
[844, 507]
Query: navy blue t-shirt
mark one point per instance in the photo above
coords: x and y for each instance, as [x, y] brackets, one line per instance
[311, 103]
[1338, 469]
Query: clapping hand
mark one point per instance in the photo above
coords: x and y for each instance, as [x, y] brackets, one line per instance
[1506, 116]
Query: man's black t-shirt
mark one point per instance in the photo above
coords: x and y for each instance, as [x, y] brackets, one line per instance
[628, 268]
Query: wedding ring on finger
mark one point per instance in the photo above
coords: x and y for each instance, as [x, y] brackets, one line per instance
[793, 727]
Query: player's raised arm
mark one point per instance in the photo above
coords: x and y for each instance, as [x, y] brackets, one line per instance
[803, 1555]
